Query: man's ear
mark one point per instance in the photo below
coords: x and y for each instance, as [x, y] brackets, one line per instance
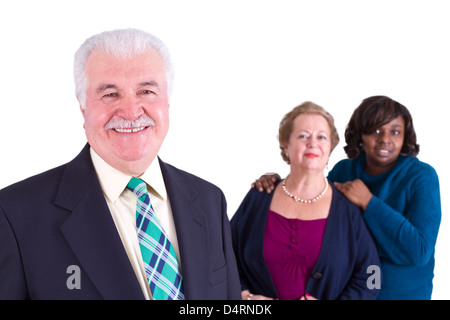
[82, 110]
[81, 106]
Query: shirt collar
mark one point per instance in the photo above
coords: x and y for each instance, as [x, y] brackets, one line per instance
[113, 182]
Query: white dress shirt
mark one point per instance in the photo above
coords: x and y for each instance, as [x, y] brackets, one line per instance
[122, 205]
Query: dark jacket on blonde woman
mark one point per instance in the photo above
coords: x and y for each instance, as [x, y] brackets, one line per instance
[347, 266]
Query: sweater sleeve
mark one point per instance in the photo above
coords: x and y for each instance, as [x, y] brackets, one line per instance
[233, 286]
[408, 238]
[235, 235]
[247, 227]
[366, 258]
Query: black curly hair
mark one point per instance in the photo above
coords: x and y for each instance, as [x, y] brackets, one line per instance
[371, 114]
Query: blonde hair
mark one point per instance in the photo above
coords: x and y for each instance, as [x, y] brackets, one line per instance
[287, 124]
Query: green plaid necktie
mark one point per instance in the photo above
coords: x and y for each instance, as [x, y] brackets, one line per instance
[160, 261]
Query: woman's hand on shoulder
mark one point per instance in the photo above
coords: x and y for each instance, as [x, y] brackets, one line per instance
[266, 182]
[355, 191]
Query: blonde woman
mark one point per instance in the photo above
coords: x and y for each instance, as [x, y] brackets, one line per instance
[304, 240]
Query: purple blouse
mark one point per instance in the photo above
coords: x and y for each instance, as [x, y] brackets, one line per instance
[291, 249]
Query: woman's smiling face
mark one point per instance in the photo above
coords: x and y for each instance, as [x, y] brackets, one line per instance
[309, 145]
[383, 146]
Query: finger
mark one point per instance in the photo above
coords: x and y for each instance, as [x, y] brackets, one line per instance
[268, 186]
[275, 177]
[268, 181]
[259, 186]
[271, 177]
[309, 297]
[260, 297]
[339, 186]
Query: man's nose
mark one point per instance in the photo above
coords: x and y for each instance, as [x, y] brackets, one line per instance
[130, 107]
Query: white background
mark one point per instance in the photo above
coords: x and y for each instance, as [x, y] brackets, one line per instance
[239, 67]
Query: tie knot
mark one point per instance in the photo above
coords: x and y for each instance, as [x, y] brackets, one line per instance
[137, 186]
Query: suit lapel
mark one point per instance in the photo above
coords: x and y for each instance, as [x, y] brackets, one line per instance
[91, 232]
[191, 227]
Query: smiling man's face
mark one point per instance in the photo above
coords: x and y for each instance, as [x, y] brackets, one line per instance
[127, 110]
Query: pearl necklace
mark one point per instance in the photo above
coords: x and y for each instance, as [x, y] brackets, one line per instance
[297, 199]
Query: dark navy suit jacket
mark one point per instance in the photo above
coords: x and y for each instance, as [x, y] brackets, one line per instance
[60, 218]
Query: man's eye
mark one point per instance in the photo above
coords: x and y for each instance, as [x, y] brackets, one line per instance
[111, 95]
[147, 92]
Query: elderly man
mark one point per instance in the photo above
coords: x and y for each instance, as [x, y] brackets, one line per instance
[117, 222]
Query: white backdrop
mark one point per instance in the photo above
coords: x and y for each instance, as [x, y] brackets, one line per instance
[239, 67]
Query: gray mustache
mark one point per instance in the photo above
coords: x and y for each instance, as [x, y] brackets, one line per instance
[122, 123]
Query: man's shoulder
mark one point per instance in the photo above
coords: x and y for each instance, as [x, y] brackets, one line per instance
[38, 183]
[41, 184]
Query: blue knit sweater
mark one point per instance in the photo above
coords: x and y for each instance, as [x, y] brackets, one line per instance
[404, 217]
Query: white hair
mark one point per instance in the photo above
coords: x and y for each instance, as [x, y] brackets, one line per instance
[124, 43]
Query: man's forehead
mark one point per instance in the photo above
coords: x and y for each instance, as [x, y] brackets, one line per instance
[107, 71]
[102, 57]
